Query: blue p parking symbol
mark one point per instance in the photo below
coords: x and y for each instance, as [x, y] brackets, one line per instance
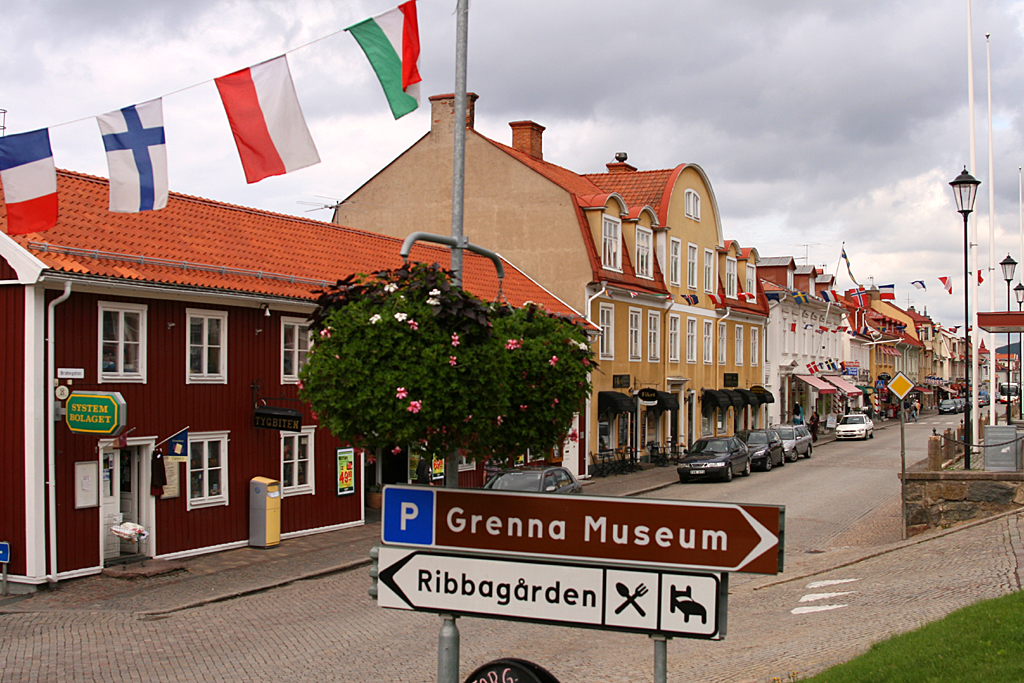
[408, 516]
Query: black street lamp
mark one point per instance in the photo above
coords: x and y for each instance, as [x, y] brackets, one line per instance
[1008, 265]
[965, 191]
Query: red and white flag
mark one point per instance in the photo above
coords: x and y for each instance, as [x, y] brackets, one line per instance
[947, 282]
[716, 299]
[266, 120]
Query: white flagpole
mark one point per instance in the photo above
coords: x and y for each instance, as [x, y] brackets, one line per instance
[991, 243]
[972, 292]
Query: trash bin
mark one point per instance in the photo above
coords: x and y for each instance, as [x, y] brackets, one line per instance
[1002, 449]
[264, 512]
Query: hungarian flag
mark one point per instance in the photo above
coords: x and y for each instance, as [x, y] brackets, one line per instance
[391, 42]
[266, 120]
[947, 282]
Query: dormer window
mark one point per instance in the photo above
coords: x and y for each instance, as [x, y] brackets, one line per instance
[730, 277]
[610, 241]
[751, 278]
[692, 205]
[644, 237]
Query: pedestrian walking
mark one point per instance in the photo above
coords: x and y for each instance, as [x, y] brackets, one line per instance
[915, 410]
[812, 424]
[798, 415]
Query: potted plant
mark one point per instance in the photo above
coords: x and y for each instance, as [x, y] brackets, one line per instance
[374, 496]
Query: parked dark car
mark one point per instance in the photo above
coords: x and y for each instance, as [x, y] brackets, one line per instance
[539, 479]
[948, 406]
[715, 457]
[796, 441]
[765, 447]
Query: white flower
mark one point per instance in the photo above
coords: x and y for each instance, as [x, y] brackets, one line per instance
[434, 292]
[374, 319]
[400, 317]
[390, 287]
[433, 301]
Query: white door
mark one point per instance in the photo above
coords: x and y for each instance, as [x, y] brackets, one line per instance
[119, 497]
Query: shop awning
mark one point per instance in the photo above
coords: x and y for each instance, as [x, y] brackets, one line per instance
[736, 399]
[667, 401]
[751, 398]
[767, 397]
[822, 386]
[866, 389]
[844, 386]
[890, 351]
[614, 402]
[946, 389]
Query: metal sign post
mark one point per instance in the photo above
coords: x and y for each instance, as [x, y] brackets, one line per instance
[5, 557]
[901, 385]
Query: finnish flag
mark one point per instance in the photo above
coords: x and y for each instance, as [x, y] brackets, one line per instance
[136, 157]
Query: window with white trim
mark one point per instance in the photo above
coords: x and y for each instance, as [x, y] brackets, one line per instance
[122, 346]
[691, 340]
[708, 345]
[673, 337]
[675, 261]
[755, 344]
[607, 318]
[297, 461]
[635, 323]
[611, 229]
[692, 205]
[653, 336]
[295, 342]
[730, 277]
[789, 278]
[207, 469]
[206, 352]
[739, 345]
[644, 238]
[751, 278]
[709, 271]
[721, 343]
[691, 266]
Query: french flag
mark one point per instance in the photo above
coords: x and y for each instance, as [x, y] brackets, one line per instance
[266, 120]
[29, 179]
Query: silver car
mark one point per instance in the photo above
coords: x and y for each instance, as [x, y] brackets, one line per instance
[796, 441]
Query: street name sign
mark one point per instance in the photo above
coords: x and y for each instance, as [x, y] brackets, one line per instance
[722, 537]
[635, 599]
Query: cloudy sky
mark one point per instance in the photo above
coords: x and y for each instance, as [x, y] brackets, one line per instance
[818, 121]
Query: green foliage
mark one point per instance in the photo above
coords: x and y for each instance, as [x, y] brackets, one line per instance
[403, 357]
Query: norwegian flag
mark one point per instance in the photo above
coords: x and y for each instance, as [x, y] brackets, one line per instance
[862, 297]
[947, 282]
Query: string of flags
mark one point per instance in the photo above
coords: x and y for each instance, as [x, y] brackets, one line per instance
[263, 111]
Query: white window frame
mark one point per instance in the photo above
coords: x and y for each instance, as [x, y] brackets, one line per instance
[730, 277]
[691, 265]
[739, 345]
[675, 261]
[653, 336]
[673, 337]
[722, 345]
[119, 375]
[708, 342]
[309, 488]
[607, 320]
[709, 271]
[692, 205]
[636, 322]
[751, 272]
[220, 377]
[644, 253]
[611, 243]
[221, 498]
[298, 354]
[754, 345]
[691, 340]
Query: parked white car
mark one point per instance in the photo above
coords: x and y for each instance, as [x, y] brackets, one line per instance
[855, 426]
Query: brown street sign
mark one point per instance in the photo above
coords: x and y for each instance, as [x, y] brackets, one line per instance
[694, 535]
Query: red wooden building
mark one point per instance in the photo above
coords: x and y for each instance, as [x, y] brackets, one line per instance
[196, 316]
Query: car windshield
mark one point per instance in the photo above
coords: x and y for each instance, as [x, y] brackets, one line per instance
[853, 420]
[710, 447]
[516, 481]
[755, 438]
[786, 433]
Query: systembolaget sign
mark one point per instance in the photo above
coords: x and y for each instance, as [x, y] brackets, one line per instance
[102, 413]
[695, 535]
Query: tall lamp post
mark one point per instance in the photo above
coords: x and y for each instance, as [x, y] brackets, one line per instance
[1008, 265]
[965, 191]
[1018, 292]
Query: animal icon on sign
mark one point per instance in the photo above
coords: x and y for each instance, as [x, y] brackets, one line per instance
[681, 600]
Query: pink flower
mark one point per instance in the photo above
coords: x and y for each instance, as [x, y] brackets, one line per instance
[500, 420]
[414, 406]
[468, 418]
[414, 325]
[401, 393]
[325, 333]
[301, 386]
[555, 402]
[554, 359]
[396, 450]
[522, 406]
[452, 361]
[455, 340]
[513, 344]
[574, 436]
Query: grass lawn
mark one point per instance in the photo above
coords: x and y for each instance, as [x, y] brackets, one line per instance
[980, 643]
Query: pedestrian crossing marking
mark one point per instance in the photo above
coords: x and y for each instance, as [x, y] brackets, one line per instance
[813, 597]
[816, 608]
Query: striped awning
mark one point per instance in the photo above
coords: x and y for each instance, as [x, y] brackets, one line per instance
[843, 386]
[820, 385]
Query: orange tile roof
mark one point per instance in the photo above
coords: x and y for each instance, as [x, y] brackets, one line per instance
[638, 188]
[201, 243]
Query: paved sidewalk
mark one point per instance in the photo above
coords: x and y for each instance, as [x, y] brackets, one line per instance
[157, 587]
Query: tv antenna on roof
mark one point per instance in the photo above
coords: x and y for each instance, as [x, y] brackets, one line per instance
[807, 248]
[320, 205]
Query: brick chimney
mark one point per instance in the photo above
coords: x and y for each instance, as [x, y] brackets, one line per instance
[442, 113]
[528, 138]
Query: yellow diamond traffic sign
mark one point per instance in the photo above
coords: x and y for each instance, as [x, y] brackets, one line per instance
[901, 385]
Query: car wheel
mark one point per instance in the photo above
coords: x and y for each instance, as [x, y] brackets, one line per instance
[768, 463]
[871, 435]
[746, 469]
[808, 454]
[782, 460]
[728, 472]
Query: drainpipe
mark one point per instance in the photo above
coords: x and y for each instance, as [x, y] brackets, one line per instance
[586, 311]
[51, 429]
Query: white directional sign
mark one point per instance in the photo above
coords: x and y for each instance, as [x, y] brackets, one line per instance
[646, 600]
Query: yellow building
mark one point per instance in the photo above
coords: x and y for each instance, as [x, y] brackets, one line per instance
[641, 253]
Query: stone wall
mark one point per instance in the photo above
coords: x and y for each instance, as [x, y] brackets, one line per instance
[943, 499]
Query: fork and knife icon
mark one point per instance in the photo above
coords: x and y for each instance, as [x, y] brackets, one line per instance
[623, 590]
